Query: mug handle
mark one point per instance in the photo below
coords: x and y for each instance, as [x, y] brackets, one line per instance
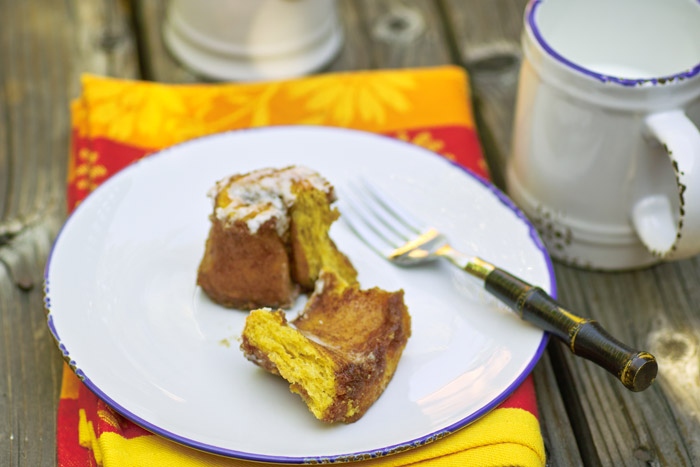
[667, 234]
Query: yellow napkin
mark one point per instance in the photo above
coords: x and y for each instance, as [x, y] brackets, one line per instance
[116, 122]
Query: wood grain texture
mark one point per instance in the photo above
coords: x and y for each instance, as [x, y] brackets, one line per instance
[32, 168]
[487, 43]
[654, 308]
[559, 438]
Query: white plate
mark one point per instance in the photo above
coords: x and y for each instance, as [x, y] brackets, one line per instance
[124, 308]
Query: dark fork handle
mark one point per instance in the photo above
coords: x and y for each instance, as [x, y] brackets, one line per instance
[586, 338]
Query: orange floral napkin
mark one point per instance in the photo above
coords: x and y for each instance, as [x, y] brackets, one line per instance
[116, 122]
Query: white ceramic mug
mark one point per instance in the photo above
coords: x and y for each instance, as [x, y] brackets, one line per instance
[248, 40]
[606, 149]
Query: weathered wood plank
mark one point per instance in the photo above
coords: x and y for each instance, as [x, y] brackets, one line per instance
[487, 38]
[30, 196]
[656, 309]
[554, 419]
[403, 33]
[44, 46]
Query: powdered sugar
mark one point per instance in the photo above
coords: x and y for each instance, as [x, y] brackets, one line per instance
[264, 194]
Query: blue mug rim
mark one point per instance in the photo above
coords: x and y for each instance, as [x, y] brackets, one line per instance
[605, 78]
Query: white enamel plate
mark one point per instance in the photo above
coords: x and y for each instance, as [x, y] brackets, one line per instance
[125, 310]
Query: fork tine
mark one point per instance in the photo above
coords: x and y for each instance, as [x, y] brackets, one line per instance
[385, 222]
[367, 231]
[376, 219]
[362, 206]
[395, 210]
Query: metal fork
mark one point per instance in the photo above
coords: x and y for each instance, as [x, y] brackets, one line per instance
[399, 237]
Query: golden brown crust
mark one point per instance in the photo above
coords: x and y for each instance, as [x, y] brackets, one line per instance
[240, 270]
[368, 330]
[362, 334]
[247, 265]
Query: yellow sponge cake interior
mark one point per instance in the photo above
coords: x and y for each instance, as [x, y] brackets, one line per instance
[312, 248]
[280, 348]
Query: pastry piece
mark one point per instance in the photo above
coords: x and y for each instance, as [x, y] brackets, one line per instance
[269, 239]
[340, 353]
